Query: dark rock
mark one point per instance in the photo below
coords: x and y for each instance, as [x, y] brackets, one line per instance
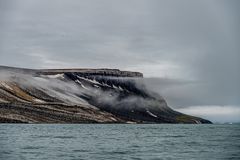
[82, 96]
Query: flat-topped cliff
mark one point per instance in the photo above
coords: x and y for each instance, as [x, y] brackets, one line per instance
[82, 96]
[100, 72]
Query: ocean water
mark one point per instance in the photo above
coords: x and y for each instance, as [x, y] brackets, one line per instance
[119, 141]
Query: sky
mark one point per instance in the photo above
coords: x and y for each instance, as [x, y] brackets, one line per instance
[188, 50]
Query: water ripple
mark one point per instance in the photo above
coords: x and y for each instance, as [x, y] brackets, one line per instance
[125, 142]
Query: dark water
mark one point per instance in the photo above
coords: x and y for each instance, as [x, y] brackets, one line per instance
[102, 142]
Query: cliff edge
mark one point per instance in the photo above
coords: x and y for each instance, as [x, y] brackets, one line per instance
[82, 96]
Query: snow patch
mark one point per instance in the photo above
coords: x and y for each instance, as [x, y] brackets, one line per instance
[96, 86]
[89, 80]
[79, 82]
[151, 114]
[120, 88]
[198, 122]
[84, 87]
[56, 76]
[115, 87]
[106, 85]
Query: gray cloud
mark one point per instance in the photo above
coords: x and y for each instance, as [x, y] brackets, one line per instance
[184, 41]
[217, 114]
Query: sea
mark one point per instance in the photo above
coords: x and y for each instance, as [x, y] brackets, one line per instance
[119, 141]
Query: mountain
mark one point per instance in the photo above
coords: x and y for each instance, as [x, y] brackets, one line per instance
[82, 96]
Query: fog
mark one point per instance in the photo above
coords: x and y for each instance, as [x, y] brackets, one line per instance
[217, 114]
[78, 93]
[188, 49]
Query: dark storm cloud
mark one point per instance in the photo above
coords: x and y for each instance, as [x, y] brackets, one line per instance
[188, 41]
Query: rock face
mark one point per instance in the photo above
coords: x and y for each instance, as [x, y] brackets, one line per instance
[82, 96]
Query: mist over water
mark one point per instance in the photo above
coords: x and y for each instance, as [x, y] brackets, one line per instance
[217, 114]
[69, 91]
[195, 98]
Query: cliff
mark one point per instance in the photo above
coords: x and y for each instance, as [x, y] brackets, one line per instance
[82, 96]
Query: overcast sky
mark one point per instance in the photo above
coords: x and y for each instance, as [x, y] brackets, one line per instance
[192, 48]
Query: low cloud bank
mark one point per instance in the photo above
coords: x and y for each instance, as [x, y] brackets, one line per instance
[68, 91]
[217, 114]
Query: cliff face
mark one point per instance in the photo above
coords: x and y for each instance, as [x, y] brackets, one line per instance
[82, 96]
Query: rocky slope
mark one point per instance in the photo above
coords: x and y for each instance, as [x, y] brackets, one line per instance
[81, 96]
